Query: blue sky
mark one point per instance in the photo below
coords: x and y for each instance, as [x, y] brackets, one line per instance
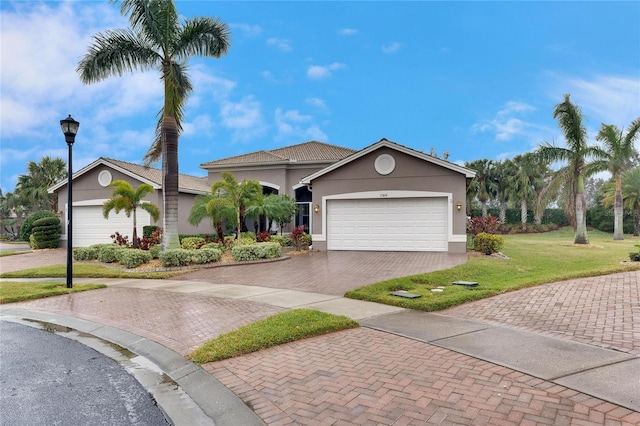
[477, 79]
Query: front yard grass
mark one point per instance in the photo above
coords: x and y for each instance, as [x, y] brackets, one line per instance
[12, 291]
[533, 259]
[87, 270]
[275, 330]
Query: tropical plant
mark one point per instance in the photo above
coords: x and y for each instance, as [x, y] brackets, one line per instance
[483, 186]
[228, 193]
[279, 208]
[11, 214]
[617, 151]
[128, 199]
[630, 188]
[576, 153]
[526, 182]
[502, 171]
[158, 40]
[215, 207]
[32, 187]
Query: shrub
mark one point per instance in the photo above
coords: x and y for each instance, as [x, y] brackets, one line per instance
[109, 253]
[635, 257]
[175, 257]
[298, 238]
[147, 230]
[152, 240]
[121, 240]
[27, 225]
[192, 243]
[85, 253]
[488, 243]
[45, 233]
[283, 240]
[154, 251]
[248, 236]
[229, 242]
[217, 246]
[205, 255]
[263, 237]
[489, 225]
[132, 258]
[256, 251]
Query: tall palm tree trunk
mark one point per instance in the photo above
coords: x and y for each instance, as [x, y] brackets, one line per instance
[135, 230]
[170, 235]
[581, 214]
[523, 213]
[618, 211]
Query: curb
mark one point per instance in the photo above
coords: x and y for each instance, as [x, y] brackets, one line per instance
[198, 398]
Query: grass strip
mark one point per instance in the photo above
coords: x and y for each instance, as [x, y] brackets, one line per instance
[533, 259]
[88, 270]
[13, 291]
[272, 331]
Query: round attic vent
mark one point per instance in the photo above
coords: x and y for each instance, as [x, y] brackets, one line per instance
[385, 164]
[104, 178]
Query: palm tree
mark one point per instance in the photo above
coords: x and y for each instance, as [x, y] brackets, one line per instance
[238, 196]
[524, 183]
[482, 185]
[630, 184]
[158, 40]
[617, 151]
[275, 207]
[576, 154]
[213, 206]
[502, 171]
[33, 186]
[126, 198]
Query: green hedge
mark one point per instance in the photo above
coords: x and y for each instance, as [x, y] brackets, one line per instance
[488, 243]
[256, 251]
[109, 253]
[45, 233]
[205, 255]
[132, 258]
[27, 225]
[175, 257]
[192, 243]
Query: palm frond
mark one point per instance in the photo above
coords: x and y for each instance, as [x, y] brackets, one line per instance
[203, 36]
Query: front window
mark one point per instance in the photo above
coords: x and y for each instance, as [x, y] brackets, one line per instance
[303, 216]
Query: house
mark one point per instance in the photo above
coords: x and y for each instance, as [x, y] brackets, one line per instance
[384, 197]
[91, 190]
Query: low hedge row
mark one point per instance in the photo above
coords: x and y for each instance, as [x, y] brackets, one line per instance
[256, 251]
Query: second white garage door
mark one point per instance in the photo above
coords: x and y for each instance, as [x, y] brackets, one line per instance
[90, 227]
[397, 224]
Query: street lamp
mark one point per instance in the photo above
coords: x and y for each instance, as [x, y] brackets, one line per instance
[69, 128]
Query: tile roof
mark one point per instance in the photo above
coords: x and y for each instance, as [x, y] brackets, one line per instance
[307, 151]
[185, 182]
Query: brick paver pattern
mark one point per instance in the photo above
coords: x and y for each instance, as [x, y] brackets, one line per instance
[602, 311]
[367, 377]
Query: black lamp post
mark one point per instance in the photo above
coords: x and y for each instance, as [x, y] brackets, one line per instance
[70, 129]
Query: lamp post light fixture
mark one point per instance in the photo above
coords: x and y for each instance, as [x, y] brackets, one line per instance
[70, 129]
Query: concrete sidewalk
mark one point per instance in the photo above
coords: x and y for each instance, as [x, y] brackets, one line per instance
[404, 367]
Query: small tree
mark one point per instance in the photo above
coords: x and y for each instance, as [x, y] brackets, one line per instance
[126, 198]
[229, 193]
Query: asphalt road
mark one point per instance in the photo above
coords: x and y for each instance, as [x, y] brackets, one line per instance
[49, 379]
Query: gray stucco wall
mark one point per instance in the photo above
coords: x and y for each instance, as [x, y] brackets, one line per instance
[410, 174]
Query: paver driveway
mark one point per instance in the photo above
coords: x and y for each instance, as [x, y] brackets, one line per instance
[333, 272]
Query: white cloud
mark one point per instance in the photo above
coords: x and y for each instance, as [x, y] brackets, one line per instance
[244, 118]
[292, 125]
[280, 44]
[507, 125]
[392, 47]
[317, 103]
[319, 72]
[247, 29]
[606, 98]
[348, 31]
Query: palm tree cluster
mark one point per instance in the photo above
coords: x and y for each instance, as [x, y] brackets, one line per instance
[30, 194]
[231, 202]
[529, 179]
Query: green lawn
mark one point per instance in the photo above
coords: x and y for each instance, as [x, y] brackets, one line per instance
[275, 330]
[11, 291]
[87, 270]
[533, 259]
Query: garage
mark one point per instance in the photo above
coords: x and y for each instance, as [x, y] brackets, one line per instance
[396, 224]
[90, 226]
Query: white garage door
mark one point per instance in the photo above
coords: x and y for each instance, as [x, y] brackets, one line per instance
[90, 227]
[396, 224]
